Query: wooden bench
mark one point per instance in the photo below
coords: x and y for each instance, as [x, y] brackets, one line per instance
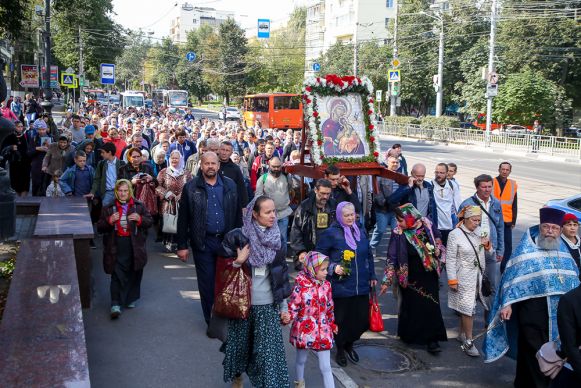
[69, 217]
[42, 335]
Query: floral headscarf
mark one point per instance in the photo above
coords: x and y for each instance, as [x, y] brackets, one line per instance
[264, 243]
[467, 212]
[352, 233]
[420, 237]
[313, 261]
[129, 185]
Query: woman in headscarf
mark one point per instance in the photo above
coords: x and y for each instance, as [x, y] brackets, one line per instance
[465, 265]
[413, 264]
[124, 225]
[351, 273]
[171, 183]
[255, 345]
[38, 142]
[16, 152]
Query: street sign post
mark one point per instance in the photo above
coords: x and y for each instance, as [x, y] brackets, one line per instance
[491, 90]
[395, 63]
[394, 75]
[54, 77]
[68, 80]
[264, 28]
[29, 76]
[191, 56]
[316, 66]
[378, 95]
[107, 73]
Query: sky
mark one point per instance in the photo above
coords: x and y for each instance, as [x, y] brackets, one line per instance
[155, 15]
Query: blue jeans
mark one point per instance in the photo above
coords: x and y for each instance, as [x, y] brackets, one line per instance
[283, 226]
[383, 220]
[108, 198]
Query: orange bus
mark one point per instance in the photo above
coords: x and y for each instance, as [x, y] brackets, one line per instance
[274, 110]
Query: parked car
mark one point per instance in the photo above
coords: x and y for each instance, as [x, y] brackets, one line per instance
[568, 205]
[512, 130]
[231, 113]
[572, 131]
[468, 126]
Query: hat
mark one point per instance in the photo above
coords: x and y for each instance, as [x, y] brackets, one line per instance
[570, 217]
[39, 123]
[89, 130]
[548, 215]
[63, 137]
[109, 147]
[470, 211]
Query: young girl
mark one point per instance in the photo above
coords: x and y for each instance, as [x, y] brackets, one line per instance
[311, 309]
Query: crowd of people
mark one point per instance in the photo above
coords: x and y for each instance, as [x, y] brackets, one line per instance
[223, 191]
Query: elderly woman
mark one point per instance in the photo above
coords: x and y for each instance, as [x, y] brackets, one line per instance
[158, 161]
[16, 152]
[124, 225]
[465, 265]
[413, 264]
[571, 238]
[351, 273]
[38, 143]
[171, 182]
[255, 345]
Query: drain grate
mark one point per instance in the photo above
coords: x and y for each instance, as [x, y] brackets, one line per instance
[383, 359]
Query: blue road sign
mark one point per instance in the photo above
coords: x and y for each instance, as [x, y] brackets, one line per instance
[316, 66]
[107, 73]
[264, 28]
[191, 56]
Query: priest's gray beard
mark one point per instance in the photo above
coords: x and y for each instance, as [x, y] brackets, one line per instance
[548, 243]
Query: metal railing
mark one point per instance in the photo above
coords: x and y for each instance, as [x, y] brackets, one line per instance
[521, 142]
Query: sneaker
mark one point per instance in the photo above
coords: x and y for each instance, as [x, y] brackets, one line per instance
[131, 305]
[469, 348]
[461, 338]
[115, 312]
[168, 247]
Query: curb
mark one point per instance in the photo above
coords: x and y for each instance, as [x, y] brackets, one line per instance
[528, 155]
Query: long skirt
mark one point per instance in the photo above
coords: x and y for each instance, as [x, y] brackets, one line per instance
[125, 281]
[420, 317]
[352, 318]
[255, 346]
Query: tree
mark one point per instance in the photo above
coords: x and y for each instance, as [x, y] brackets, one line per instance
[165, 57]
[527, 96]
[189, 75]
[230, 78]
[131, 63]
[12, 17]
[338, 59]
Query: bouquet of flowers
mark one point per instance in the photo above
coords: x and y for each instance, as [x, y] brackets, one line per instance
[348, 256]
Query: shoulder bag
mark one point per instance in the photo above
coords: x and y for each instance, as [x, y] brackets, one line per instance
[550, 363]
[485, 287]
[170, 221]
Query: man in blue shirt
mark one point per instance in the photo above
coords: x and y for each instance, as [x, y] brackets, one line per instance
[209, 208]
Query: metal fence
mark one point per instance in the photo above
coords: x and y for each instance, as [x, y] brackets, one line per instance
[547, 145]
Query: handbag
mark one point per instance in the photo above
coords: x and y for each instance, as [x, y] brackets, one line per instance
[232, 299]
[375, 318]
[485, 287]
[170, 221]
[550, 363]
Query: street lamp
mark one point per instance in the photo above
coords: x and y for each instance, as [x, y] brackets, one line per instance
[438, 10]
[47, 98]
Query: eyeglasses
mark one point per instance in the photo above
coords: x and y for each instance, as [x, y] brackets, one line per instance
[550, 227]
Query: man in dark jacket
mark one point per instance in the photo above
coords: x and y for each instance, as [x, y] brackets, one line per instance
[106, 175]
[420, 194]
[314, 214]
[231, 170]
[209, 208]
[295, 144]
[342, 191]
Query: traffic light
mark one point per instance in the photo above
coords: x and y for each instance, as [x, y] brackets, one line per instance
[395, 89]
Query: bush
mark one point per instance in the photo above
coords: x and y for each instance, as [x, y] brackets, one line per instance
[401, 120]
[442, 121]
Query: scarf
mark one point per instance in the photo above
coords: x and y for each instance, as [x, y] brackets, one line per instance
[313, 261]
[175, 172]
[352, 233]
[418, 237]
[264, 242]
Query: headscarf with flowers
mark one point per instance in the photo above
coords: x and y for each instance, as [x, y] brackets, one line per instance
[313, 261]
[419, 235]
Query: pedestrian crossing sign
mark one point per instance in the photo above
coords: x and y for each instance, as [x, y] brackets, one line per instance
[68, 79]
[394, 75]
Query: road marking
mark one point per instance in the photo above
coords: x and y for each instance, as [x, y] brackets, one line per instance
[344, 378]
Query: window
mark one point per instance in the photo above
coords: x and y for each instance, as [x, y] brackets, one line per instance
[389, 3]
[576, 204]
[286, 102]
[387, 22]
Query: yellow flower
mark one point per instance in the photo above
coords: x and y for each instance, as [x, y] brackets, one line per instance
[348, 255]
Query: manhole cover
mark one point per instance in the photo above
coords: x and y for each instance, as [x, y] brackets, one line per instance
[382, 359]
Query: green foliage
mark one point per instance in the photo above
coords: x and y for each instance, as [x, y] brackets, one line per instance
[278, 64]
[442, 121]
[164, 58]
[527, 96]
[12, 17]
[103, 39]
[230, 75]
[7, 267]
[338, 59]
[401, 120]
[130, 64]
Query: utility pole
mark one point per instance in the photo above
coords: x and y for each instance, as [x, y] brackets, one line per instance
[47, 100]
[392, 98]
[81, 67]
[493, 16]
[440, 93]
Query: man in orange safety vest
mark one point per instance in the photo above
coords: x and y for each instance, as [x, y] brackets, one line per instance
[504, 190]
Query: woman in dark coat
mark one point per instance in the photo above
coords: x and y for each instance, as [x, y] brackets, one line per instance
[412, 262]
[124, 226]
[351, 273]
[17, 156]
[141, 176]
[255, 345]
[38, 142]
